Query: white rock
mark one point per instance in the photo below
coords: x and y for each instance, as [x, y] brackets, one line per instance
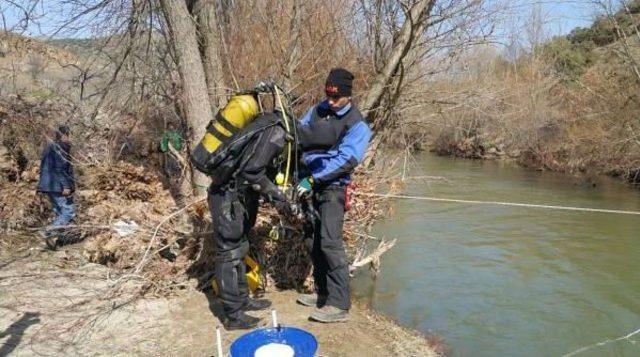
[125, 228]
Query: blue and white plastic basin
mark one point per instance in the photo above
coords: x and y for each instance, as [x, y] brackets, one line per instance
[280, 341]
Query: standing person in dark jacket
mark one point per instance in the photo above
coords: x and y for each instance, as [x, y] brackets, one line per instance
[334, 138]
[57, 182]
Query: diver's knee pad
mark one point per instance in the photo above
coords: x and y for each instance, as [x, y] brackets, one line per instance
[233, 254]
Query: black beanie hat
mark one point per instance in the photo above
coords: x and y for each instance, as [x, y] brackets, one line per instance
[339, 83]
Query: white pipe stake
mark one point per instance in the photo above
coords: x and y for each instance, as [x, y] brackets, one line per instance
[219, 341]
[274, 318]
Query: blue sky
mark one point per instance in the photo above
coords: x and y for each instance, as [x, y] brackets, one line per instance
[563, 16]
[48, 17]
[560, 16]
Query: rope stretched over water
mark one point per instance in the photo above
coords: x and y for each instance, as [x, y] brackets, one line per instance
[512, 204]
[580, 350]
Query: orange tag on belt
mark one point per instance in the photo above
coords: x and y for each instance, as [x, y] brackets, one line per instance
[347, 196]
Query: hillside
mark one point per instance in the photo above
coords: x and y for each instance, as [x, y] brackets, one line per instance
[28, 65]
[570, 105]
[81, 47]
[611, 41]
[20, 47]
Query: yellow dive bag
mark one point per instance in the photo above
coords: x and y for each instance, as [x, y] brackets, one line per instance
[254, 279]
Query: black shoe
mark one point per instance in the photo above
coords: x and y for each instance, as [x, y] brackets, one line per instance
[242, 322]
[257, 304]
[51, 242]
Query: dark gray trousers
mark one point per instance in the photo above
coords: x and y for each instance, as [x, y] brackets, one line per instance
[233, 213]
[330, 266]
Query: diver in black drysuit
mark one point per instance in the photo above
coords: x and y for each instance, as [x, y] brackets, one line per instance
[233, 202]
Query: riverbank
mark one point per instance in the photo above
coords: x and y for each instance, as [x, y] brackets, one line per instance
[570, 104]
[58, 303]
[530, 159]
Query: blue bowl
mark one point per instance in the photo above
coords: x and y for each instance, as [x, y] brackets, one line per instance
[303, 343]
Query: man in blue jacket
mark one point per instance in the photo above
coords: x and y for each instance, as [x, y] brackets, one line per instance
[57, 182]
[334, 138]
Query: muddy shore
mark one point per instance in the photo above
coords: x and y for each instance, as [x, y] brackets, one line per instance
[57, 303]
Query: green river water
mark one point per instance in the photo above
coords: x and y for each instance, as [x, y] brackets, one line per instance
[511, 281]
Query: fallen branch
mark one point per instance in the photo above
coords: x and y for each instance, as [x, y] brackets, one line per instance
[69, 226]
[178, 157]
[155, 233]
[374, 258]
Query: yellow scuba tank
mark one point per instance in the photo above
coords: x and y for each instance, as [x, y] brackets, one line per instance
[254, 280]
[239, 112]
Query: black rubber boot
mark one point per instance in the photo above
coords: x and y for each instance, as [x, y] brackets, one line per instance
[256, 305]
[241, 322]
[51, 242]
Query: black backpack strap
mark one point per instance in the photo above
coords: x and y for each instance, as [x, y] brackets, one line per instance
[211, 129]
[226, 124]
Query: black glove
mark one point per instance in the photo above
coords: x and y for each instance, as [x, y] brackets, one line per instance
[283, 207]
[264, 87]
[273, 195]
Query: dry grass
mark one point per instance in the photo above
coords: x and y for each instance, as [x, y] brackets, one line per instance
[407, 342]
[524, 111]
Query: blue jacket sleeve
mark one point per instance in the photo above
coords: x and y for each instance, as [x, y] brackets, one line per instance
[350, 153]
[306, 118]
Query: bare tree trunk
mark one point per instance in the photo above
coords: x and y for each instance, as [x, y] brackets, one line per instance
[208, 26]
[411, 29]
[295, 52]
[195, 98]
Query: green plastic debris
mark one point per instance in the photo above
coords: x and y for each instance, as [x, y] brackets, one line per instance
[172, 137]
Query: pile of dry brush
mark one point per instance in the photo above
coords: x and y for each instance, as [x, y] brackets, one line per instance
[127, 215]
[129, 221]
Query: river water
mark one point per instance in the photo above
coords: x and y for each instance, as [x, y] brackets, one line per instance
[510, 281]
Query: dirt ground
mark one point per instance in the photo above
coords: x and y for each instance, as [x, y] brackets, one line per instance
[56, 303]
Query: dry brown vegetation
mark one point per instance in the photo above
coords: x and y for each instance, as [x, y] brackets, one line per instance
[570, 105]
[138, 76]
[169, 248]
